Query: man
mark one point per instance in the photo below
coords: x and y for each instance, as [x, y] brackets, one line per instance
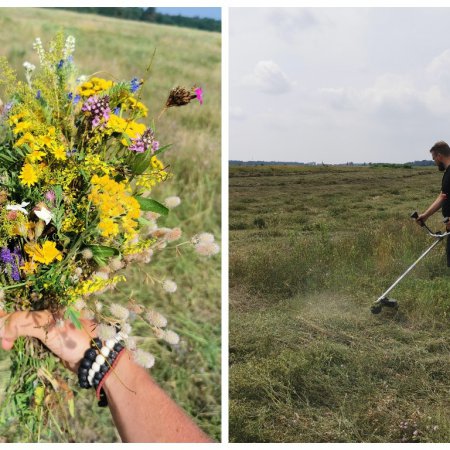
[440, 152]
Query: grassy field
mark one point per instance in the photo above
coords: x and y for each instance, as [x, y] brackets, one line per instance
[311, 248]
[123, 49]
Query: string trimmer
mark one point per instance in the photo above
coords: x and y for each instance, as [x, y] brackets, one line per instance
[383, 300]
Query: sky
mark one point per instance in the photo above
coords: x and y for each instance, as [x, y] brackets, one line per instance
[338, 85]
[211, 13]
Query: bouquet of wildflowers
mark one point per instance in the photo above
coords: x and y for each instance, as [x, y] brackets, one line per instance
[78, 162]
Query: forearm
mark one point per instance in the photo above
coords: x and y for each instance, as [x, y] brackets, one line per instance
[435, 206]
[142, 411]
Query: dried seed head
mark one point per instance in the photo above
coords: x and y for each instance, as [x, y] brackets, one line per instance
[144, 359]
[173, 234]
[207, 249]
[170, 286]
[86, 253]
[105, 332]
[119, 311]
[172, 202]
[179, 96]
[171, 337]
[156, 319]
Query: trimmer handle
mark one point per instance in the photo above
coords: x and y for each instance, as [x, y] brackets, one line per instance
[415, 216]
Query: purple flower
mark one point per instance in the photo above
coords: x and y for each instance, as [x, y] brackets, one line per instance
[50, 196]
[117, 110]
[96, 109]
[70, 153]
[60, 64]
[142, 143]
[70, 95]
[38, 94]
[70, 59]
[12, 261]
[134, 85]
[76, 99]
[199, 94]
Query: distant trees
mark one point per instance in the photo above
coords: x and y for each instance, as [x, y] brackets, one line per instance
[149, 14]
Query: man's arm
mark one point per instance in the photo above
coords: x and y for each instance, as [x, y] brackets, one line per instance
[141, 410]
[435, 206]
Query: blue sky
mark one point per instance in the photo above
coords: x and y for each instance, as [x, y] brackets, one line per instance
[212, 13]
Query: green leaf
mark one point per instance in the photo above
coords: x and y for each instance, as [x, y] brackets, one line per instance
[103, 251]
[162, 149]
[148, 204]
[74, 316]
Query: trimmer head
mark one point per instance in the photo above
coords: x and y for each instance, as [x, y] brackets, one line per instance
[379, 304]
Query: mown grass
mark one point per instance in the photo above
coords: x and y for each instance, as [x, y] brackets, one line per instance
[124, 49]
[308, 361]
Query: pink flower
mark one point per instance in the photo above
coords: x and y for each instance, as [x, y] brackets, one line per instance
[199, 94]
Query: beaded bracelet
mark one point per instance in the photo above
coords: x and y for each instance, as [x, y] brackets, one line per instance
[98, 360]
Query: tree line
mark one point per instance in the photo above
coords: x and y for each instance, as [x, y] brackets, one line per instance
[150, 15]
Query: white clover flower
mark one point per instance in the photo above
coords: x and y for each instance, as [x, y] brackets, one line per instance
[98, 306]
[106, 332]
[156, 319]
[207, 249]
[144, 359]
[170, 286]
[173, 234]
[171, 337]
[86, 253]
[78, 271]
[172, 202]
[119, 311]
[159, 333]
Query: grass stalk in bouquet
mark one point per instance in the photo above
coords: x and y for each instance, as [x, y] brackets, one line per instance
[77, 166]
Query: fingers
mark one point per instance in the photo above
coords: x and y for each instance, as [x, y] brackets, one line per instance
[23, 323]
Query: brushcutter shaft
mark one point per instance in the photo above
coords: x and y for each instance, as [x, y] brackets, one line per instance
[439, 239]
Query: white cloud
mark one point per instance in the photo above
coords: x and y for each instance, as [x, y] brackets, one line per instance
[268, 77]
[236, 112]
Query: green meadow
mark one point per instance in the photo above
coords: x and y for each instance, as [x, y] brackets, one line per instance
[122, 50]
[311, 248]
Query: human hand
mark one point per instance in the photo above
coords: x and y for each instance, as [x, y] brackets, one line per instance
[60, 336]
[421, 219]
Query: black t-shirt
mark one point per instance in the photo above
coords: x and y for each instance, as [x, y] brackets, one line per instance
[446, 190]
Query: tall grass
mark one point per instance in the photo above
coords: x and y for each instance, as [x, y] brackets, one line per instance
[124, 49]
[308, 361]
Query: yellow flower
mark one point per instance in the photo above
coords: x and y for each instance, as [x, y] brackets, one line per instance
[45, 254]
[21, 127]
[59, 152]
[29, 267]
[108, 227]
[28, 175]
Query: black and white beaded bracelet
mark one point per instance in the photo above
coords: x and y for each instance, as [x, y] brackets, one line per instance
[98, 360]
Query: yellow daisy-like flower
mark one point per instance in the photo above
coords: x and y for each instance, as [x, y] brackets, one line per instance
[28, 175]
[21, 127]
[45, 254]
[59, 152]
[29, 267]
[108, 227]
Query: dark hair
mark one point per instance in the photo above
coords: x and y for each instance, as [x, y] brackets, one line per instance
[441, 147]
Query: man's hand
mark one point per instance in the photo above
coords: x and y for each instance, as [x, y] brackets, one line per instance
[421, 219]
[60, 336]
